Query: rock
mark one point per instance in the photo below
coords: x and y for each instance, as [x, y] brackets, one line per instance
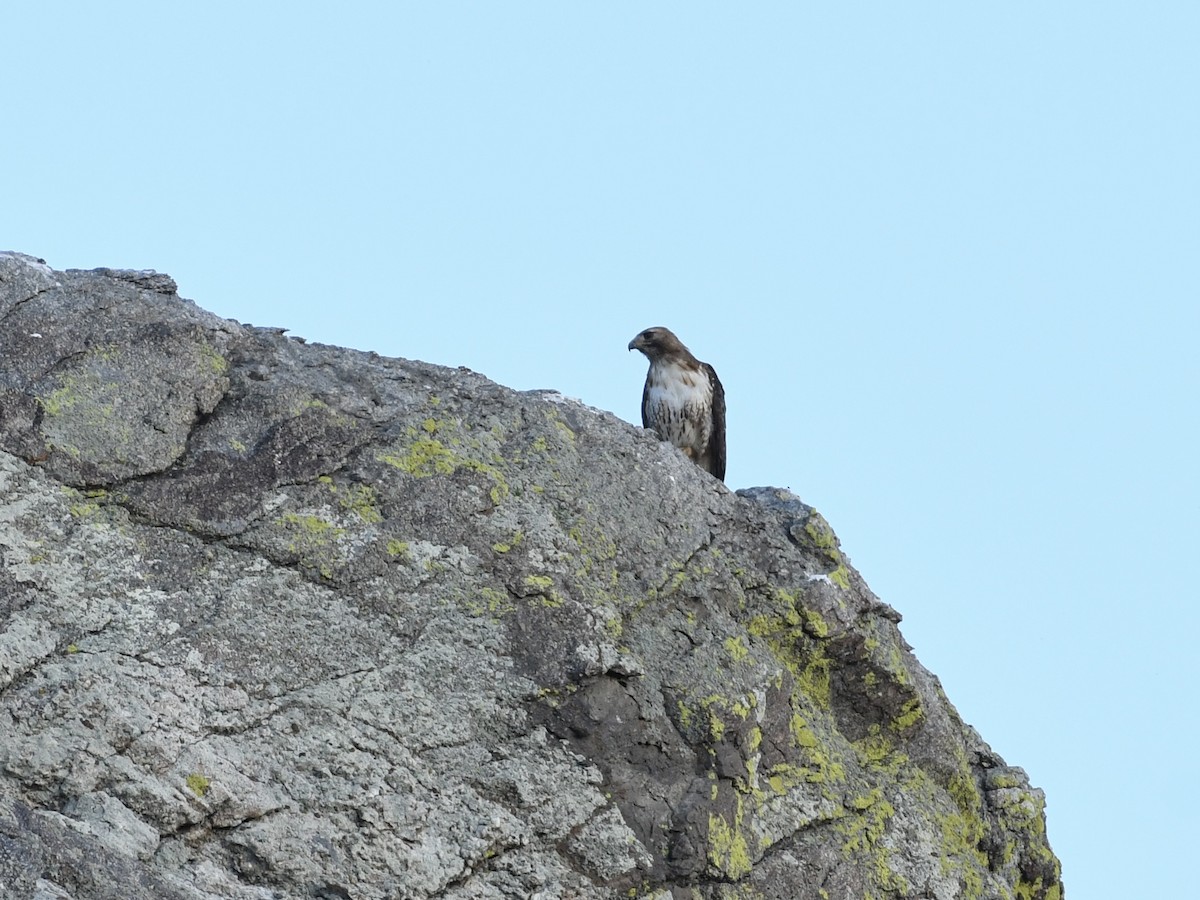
[289, 620]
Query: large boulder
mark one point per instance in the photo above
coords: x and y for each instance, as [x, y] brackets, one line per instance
[287, 620]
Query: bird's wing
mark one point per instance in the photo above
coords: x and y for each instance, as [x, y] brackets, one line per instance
[716, 441]
[647, 419]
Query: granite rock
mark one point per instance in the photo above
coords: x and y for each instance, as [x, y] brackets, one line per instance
[283, 620]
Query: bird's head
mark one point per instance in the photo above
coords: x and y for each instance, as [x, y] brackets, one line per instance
[657, 343]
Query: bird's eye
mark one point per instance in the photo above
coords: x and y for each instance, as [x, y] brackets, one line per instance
[648, 335]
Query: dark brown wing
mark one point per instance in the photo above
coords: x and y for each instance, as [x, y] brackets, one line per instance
[715, 452]
[646, 418]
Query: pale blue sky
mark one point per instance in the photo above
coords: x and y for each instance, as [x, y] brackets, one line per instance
[943, 257]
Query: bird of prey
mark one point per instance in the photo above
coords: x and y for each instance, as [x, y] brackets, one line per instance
[683, 399]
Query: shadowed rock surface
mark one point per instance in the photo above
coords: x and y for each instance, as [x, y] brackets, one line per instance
[286, 620]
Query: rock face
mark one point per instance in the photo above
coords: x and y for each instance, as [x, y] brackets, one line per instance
[286, 620]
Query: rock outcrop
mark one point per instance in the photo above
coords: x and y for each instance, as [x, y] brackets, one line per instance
[288, 620]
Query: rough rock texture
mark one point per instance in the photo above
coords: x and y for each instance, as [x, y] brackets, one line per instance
[287, 620]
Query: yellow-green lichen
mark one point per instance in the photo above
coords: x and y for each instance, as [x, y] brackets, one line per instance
[819, 767]
[1021, 812]
[564, 429]
[716, 727]
[594, 545]
[1000, 781]
[754, 739]
[822, 536]
[423, 459]
[814, 623]
[1035, 890]
[877, 753]
[490, 602]
[86, 387]
[814, 679]
[314, 526]
[965, 793]
[782, 777]
[960, 827]
[426, 457]
[362, 500]
[86, 504]
[795, 635]
[543, 587]
[912, 713]
[736, 648]
[743, 708]
[88, 402]
[673, 584]
[84, 510]
[862, 832]
[719, 712]
[896, 666]
[301, 406]
[614, 626]
[841, 577]
[777, 782]
[685, 715]
[198, 784]
[61, 398]
[398, 548]
[728, 849]
[825, 540]
[314, 541]
[217, 364]
[960, 851]
[514, 541]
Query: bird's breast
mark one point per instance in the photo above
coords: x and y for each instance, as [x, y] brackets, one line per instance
[678, 406]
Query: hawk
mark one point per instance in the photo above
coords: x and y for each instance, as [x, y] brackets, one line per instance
[683, 399]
